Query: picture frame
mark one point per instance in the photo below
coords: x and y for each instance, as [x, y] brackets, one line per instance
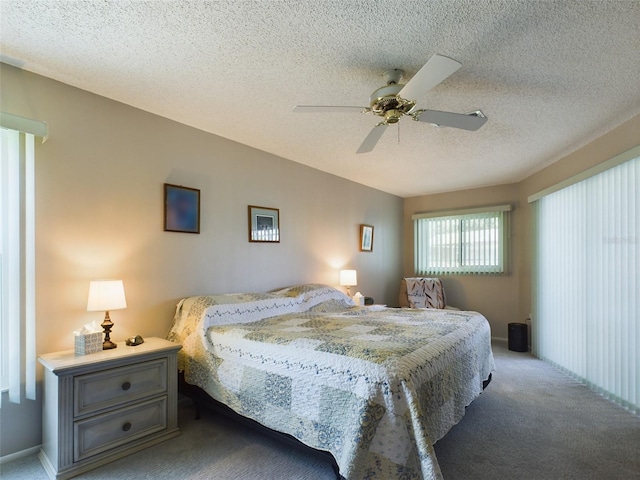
[181, 209]
[264, 224]
[366, 238]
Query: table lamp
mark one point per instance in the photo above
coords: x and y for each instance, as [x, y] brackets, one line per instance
[348, 278]
[106, 295]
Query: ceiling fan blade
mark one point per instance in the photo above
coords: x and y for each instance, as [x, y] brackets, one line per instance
[435, 71]
[372, 139]
[456, 120]
[327, 109]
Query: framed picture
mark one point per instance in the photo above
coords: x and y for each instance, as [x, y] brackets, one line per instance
[181, 209]
[366, 238]
[264, 224]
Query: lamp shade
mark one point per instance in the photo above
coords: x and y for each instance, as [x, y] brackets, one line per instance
[348, 278]
[105, 295]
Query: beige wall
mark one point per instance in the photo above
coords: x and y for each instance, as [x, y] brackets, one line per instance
[99, 196]
[469, 292]
[505, 299]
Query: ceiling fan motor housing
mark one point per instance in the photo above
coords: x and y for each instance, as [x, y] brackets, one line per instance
[386, 103]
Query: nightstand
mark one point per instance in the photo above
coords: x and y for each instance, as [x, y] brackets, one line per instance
[106, 405]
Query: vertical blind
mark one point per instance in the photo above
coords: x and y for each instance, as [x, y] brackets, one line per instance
[587, 287]
[467, 242]
[17, 254]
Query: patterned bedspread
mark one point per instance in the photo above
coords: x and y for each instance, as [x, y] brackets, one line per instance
[376, 387]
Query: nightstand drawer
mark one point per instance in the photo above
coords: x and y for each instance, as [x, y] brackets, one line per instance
[104, 432]
[108, 388]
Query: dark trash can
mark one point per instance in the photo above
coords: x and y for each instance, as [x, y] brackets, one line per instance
[518, 338]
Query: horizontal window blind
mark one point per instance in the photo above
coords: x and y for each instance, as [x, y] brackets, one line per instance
[587, 287]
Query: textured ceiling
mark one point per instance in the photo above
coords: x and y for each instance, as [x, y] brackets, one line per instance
[550, 75]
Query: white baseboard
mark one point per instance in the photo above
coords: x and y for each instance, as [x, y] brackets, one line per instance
[499, 339]
[20, 454]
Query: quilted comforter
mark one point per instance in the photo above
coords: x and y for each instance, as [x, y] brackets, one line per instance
[376, 387]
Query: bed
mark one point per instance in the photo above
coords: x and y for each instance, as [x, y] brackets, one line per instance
[375, 387]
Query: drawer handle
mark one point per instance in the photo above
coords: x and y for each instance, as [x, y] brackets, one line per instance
[126, 385]
[126, 427]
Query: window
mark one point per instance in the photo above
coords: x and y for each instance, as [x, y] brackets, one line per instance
[17, 256]
[461, 242]
[586, 317]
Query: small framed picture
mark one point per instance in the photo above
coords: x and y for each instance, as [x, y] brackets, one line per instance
[264, 224]
[366, 238]
[181, 209]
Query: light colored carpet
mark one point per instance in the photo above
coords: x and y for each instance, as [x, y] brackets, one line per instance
[532, 422]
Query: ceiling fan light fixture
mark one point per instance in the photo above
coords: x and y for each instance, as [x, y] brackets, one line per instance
[392, 116]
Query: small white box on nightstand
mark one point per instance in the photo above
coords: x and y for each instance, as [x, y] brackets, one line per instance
[88, 343]
[358, 299]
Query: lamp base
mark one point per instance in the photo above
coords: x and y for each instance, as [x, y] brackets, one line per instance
[107, 325]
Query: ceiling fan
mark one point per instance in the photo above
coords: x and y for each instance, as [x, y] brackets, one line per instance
[394, 100]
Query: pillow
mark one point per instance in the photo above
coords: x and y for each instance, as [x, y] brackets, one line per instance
[312, 294]
[418, 292]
